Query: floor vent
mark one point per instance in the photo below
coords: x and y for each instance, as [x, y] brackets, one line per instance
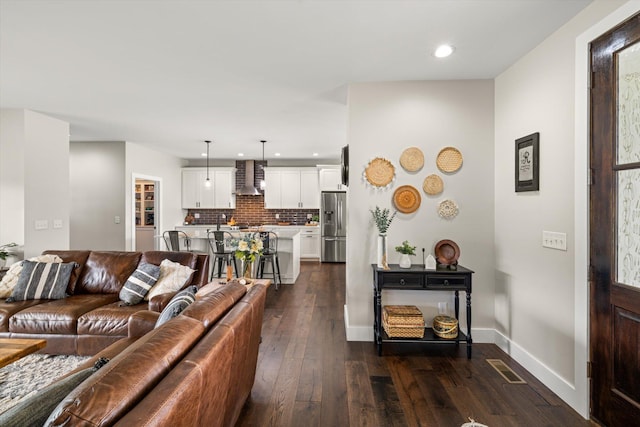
[505, 371]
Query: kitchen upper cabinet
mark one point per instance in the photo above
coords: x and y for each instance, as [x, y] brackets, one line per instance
[224, 187]
[291, 188]
[221, 193]
[330, 178]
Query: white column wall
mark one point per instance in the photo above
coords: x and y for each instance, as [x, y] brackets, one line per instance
[35, 162]
[386, 118]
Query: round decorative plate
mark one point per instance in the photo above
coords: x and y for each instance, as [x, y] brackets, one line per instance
[449, 159]
[448, 209]
[447, 252]
[379, 172]
[406, 199]
[432, 185]
[412, 159]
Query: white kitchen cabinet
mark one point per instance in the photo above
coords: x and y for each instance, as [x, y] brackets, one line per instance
[291, 188]
[310, 242]
[221, 193]
[224, 187]
[330, 178]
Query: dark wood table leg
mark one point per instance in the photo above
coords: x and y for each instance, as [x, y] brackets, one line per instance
[469, 339]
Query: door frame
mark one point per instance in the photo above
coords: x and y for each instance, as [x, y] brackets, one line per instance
[580, 399]
[157, 206]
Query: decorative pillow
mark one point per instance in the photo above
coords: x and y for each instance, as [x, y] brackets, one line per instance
[42, 280]
[173, 277]
[179, 302]
[34, 410]
[139, 283]
[10, 279]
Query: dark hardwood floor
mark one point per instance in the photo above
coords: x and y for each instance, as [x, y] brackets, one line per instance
[309, 375]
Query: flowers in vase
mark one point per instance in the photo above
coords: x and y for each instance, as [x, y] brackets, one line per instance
[247, 247]
[4, 252]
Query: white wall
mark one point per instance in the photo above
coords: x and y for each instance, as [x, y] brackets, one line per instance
[35, 162]
[541, 313]
[386, 118]
[154, 165]
[12, 176]
[97, 176]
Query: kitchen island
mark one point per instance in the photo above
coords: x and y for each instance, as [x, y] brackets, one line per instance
[288, 246]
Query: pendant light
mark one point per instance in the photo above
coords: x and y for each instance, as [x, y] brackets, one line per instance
[207, 182]
[263, 183]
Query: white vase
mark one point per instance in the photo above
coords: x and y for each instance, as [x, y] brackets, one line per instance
[382, 252]
[405, 261]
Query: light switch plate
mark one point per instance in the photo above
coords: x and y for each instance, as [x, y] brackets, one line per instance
[554, 240]
[57, 223]
[116, 219]
[41, 224]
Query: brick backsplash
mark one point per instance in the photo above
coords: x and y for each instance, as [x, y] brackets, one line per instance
[250, 210]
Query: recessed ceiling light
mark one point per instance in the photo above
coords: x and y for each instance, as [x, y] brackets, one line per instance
[240, 154]
[443, 51]
[315, 154]
[277, 154]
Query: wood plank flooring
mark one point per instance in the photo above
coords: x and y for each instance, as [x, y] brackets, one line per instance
[309, 375]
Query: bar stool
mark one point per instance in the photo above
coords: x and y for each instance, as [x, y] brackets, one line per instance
[172, 240]
[218, 243]
[269, 254]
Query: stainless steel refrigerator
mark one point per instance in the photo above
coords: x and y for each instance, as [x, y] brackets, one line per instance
[333, 226]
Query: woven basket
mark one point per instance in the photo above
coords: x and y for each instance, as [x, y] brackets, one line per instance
[403, 321]
[449, 159]
[379, 172]
[412, 159]
[433, 185]
[445, 327]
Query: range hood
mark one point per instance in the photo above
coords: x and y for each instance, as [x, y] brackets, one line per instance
[248, 188]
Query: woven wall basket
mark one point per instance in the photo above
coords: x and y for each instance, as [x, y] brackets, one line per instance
[433, 185]
[412, 159]
[379, 172]
[449, 159]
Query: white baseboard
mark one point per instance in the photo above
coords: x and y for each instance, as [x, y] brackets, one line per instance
[356, 333]
[565, 390]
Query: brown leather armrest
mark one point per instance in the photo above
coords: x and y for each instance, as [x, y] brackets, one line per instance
[142, 322]
[159, 302]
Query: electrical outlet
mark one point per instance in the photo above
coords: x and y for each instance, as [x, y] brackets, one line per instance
[277, 216]
[554, 240]
[309, 216]
[57, 223]
[196, 215]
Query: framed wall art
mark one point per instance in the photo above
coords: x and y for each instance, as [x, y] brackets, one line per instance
[528, 163]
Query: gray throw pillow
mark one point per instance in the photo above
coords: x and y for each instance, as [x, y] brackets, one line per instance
[35, 410]
[178, 303]
[42, 280]
[139, 283]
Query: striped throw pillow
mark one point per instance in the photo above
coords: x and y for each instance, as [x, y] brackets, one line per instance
[139, 283]
[178, 303]
[42, 280]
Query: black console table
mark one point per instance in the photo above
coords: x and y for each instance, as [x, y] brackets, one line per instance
[417, 278]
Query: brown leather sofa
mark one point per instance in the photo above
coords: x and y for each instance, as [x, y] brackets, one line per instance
[194, 370]
[91, 317]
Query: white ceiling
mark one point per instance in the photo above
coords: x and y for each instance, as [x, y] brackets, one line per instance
[170, 74]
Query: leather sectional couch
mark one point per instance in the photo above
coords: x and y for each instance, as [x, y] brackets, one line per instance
[195, 370]
[91, 317]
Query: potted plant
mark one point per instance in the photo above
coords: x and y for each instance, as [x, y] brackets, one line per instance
[4, 252]
[406, 249]
[383, 219]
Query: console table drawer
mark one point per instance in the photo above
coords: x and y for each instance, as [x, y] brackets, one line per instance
[400, 280]
[446, 281]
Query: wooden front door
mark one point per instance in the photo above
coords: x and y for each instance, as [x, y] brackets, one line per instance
[614, 277]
